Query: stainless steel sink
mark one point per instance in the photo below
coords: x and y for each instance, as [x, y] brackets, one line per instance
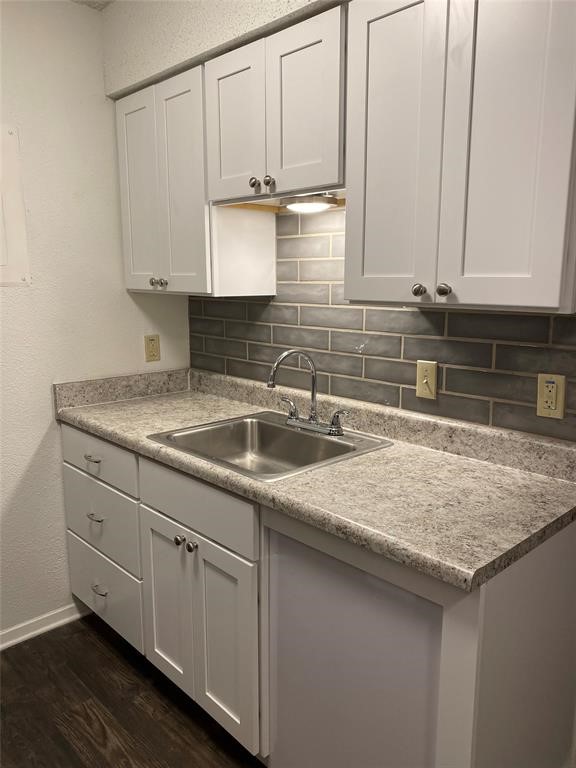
[262, 446]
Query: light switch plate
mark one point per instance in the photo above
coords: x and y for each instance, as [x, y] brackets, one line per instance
[152, 348]
[426, 379]
[551, 395]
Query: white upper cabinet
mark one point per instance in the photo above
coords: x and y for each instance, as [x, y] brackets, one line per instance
[459, 152]
[136, 127]
[304, 119]
[510, 101]
[173, 243]
[235, 119]
[273, 112]
[394, 146]
[183, 212]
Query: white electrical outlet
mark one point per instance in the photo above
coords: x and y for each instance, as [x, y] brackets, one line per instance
[426, 379]
[551, 395]
[152, 348]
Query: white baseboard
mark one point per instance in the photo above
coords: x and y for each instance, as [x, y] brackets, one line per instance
[39, 625]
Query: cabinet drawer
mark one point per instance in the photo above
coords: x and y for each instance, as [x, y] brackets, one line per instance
[120, 601]
[103, 517]
[220, 516]
[107, 462]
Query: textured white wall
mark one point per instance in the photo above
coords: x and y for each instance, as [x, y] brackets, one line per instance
[146, 38]
[76, 320]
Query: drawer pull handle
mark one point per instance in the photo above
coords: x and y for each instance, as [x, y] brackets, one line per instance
[179, 540]
[92, 459]
[92, 516]
[191, 546]
[97, 591]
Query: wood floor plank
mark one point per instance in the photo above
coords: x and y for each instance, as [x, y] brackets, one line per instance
[80, 697]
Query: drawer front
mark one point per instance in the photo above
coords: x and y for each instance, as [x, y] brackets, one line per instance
[103, 517]
[120, 600]
[100, 459]
[218, 515]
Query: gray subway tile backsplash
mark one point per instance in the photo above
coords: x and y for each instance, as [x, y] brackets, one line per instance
[489, 360]
[325, 270]
[303, 248]
[405, 321]
[366, 344]
[458, 352]
[272, 313]
[537, 360]
[373, 392]
[301, 337]
[494, 326]
[332, 317]
[564, 331]
[248, 331]
[302, 293]
[450, 406]
[287, 271]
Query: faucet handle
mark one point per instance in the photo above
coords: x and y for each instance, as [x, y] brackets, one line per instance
[335, 423]
[293, 412]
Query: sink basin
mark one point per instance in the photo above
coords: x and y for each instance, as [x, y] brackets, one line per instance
[262, 446]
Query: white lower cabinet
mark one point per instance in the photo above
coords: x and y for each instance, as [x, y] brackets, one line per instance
[201, 621]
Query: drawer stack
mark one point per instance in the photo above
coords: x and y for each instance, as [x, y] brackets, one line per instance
[100, 495]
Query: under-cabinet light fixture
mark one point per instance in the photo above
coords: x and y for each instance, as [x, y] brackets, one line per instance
[309, 203]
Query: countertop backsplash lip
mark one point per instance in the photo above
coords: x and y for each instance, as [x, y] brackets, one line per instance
[109, 389]
[472, 521]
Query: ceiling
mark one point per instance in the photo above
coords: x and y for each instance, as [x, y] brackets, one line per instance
[98, 5]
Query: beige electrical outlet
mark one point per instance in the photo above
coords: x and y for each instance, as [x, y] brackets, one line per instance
[551, 395]
[426, 379]
[152, 347]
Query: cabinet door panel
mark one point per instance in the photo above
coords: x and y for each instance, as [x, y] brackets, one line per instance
[396, 67]
[303, 114]
[167, 598]
[226, 606]
[236, 121]
[510, 100]
[135, 124]
[182, 199]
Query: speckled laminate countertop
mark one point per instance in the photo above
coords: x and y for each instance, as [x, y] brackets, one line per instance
[454, 518]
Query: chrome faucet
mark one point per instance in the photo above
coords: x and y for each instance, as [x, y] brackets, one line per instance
[313, 417]
[294, 419]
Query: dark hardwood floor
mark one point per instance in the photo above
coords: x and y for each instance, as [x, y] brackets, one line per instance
[80, 697]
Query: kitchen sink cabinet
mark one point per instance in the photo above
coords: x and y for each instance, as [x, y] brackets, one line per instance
[201, 621]
[274, 112]
[173, 242]
[460, 131]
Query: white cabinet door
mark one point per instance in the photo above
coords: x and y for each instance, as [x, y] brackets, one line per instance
[183, 212]
[166, 568]
[510, 101]
[236, 122]
[303, 104]
[226, 638]
[396, 73]
[136, 132]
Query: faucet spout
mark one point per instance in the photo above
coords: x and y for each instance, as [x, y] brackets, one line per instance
[313, 417]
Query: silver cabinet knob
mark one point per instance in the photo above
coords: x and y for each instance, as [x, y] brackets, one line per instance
[268, 181]
[443, 289]
[97, 589]
[92, 459]
[94, 518]
[154, 281]
[418, 289]
[191, 546]
[253, 182]
[179, 540]
[162, 282]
